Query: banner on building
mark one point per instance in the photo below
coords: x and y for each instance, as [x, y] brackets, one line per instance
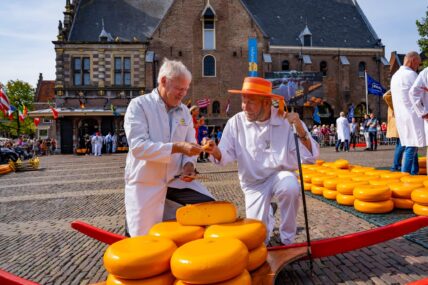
[252, 57]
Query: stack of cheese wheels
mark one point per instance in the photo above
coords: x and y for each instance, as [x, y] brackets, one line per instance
[140, 260]
[420, 197]
[177, 232]
[330, 185]
[367, 178]
[401, 194]
[422, 161]
[318, 183]
[414, 178]
[373, 199]
[345, 192]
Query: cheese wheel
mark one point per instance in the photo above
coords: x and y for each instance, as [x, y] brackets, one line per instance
[307, 177]
[420, 196]
[319, 180]
[317, 190]
[329, 194]
[346, 176]
[400, 203]
[422, 161]
[319, 162]
[209, 213]
[347, 188]
[139, 257]
[374, 207]
[243, 279]
[347, 200]
[422, 171]
[162, 279]
[328, 164]
[420, 210]
[414, 178]
[341, 163]
[376, 172]
[257, 257]
[362, 169]
[332, 183]
[177, 232]
[403, 190]
[307, 186]
[206, 261]
[250, 231]
[364, 178]
[393, 175]
[381, 181]
[370, 193]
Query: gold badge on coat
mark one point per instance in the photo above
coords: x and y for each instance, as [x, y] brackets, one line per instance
[182, 122]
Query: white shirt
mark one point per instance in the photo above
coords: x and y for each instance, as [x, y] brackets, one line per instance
[410, 126]
[262, 150]
[419, 97]
[343, 130]
[150, 140]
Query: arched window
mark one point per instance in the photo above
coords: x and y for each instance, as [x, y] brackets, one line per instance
[323, 68]
[208, 27]
[361, 68]
[209, 66]
[216, 107]
[285, 65]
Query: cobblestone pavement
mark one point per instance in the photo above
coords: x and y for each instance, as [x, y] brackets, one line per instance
[37, 243]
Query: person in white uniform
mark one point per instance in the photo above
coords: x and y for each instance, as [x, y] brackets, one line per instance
[262, 141]
[162, 146]
[410, 126]
[98, 144]
[343, 132]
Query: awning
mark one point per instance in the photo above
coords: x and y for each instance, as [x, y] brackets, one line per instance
[267, 58]
[307, 59]
[344, 60]
[71, 112]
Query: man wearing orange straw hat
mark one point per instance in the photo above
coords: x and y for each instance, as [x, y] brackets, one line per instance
[262, 142]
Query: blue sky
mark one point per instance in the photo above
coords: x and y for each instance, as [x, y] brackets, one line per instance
[28, 27]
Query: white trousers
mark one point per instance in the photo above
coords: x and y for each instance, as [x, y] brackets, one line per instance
[98, 148]
[285, 188]
[367, 138]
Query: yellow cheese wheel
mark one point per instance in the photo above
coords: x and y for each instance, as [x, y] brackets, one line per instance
[374, 207]
[385, 181]
[371, 193]
[209, 213]
[400, 203]
[420, 196]
[139, 257]
[364, 178]
[243, 279]
[393, 175]
[329, 194]
[403, 190]
[317, 190]
[422, 161]
[177, 232]
[422, 171]
[341, 163]
[347, 188]
[257, 257]
[346, 176]
[307, 177]
[361, 170]
[250, 231]
[206, 261]
[420, 210]
[319, 162]
[347, 200]
[328, 164]
[162, 279]
[323, 170]
[307, 186]
[376, 172]
[414, 178]
[332, 183]
[319, 180]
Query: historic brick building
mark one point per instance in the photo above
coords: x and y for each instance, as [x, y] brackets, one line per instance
[108, 52]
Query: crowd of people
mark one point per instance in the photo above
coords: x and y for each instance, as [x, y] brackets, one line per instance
[97, 144]
[28, 147]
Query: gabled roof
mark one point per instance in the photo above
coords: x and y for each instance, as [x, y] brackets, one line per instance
[123, 19]
[45, 91]
[333, 23]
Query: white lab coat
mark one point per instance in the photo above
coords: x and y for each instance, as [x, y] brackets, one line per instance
[410, 126]
[97, 142]
[343, 129]
[150, 166]
[266, 162]
[419, 97]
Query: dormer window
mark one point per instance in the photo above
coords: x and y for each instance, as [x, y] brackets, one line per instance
[208, 28]
[306, 37]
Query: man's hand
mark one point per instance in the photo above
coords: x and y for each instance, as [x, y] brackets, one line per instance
[189, 149]
[210, 147]
[293, 119]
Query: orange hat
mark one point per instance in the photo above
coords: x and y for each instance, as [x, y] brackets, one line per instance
[260, 87]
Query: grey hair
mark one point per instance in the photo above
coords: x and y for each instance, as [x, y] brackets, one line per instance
[342, 114]
[173, 69]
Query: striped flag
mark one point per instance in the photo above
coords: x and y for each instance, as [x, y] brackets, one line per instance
[21, 113]
[4, 101]
[203, 103]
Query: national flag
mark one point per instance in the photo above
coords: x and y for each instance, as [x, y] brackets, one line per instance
[316, 116]
[113, 110]
[203, 103]
[374, 87]
[12, 110]
[4, 101]
[21, 114]
[54, 112]
[350, 113]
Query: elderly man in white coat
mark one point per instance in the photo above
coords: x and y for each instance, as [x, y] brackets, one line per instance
[162, 148]
[262, 142]
[409, 125]
[419, 98]
[343, 132]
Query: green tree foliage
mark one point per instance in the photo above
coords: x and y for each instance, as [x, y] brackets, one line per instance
[423, 32]
[20, 94]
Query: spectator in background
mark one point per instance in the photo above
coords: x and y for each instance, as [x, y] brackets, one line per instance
[383, 129]
[354, 132]
[194, 111]
[343, 132]
[373, 124]
[366, 131]
[202, 133]
[114, 142]
[108, 142]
